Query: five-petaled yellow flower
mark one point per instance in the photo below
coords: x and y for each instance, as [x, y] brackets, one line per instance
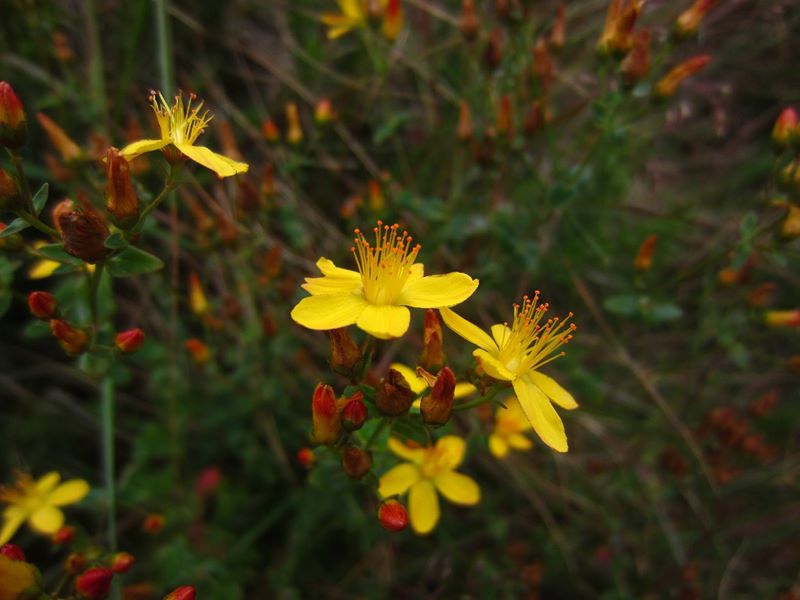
[510, 425]
[430, 469]
[37, 503]
[516, 353]
[353, 15]
[376, 296]
[180, 126]
[419, 385]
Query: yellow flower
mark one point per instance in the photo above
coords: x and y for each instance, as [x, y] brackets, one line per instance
[429, 470]
[515, 353]
[419, 385]
[180, 126]
[510, 424]
[376, 296]
[16, 578]
[37, 503]
[353, 15]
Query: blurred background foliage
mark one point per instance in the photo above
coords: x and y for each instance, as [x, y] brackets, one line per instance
[673, 365]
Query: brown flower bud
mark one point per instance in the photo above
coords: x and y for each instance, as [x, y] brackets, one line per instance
[468, 22]
[504, 123]
[74, 563]
[71, 339]
[325, 415]
[437, 406]
[354, 412]
[644, 256]
[9, 192]
[84, 233]
[493, 53]
[13, 122]
[43, 305]
[668, 84]
[558, 34]
[121, 201]
[534, 120]
[543, 64]
[637, 63]
[432, 358]
[394, 396]
[392, 516]
[464, 129]
[346, 356]
[356, 462]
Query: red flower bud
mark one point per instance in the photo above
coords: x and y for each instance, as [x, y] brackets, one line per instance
[185, 592]
[785, 126]
[208, 481]
[637, 63]
[325, 415]
[71, 339]
[394, 396]
[690, 19]
[95, 583]
[270, 131]
[644, 256]
[393, 516]
[356, 462]
[13, 123]
[468, 22]
[437, 406]
[306, 458]
[153, 523]
[354, 412]
[64, 535]
[43, 305]
[465, 128]
[129, 341]
[323, 112]
[432, 358]
[121, 562]
[198, 350]
[121, 201]
[13, 552]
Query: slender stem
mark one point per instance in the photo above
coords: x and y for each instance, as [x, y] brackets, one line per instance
[482, 400]
[34, 221]
[165, 47]
[94, 285]
[96, 78]
[381, 426]
[169, 186]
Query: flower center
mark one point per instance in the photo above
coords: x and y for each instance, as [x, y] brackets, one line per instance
[386, 265]
[179, 123]
[533, 341]
[434, 462]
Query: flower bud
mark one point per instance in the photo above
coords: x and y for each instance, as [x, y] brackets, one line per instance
[346, 356]
[468, 22]
[94, 584]
[198, 350]
[9, 192]
[43, 305]
[68, 149]
[13, 552]
[129, 341]
[295, 131]
[637, 63]
[392, 20]
[783, 318]
[558, 33]
[621, 17]
[323, 111]
[493, 53]
[64, 535]
[306, 458]
[644, 257]
[185, 592]
[325, 415]
[121, 201]
[354, 412]
[13, 123]
[375, 196]
[270, 131]
[394, 396]
[198, 303]
[689, 21]
[543, 64]
[392, 515]
[121, 562]
[785, 127]
[75, 562]
[504, 124]
[153, 523]
[83, 231]
[356, 462]
[668, 84]
[534, 120]
[432, 357]
[71, 339]
[437, 406]
[464, 129]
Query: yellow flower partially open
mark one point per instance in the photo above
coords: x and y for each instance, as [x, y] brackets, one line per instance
[516, 353]
[353, 15]
[430, 469]
[180, 126]
[419, 385]
[375, 298]
[510, 426]
[37, 503]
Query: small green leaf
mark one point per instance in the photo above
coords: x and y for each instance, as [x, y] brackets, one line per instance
[57, 253]
[115, 241]
[626, 305]
[133, 261]
[40, 198]
[665, 311]
[16, 226]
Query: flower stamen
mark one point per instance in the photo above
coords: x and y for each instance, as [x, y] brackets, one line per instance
[385, 266]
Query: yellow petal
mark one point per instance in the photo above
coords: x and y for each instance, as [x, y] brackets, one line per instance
[69, 492]
[330, 311]
[46, 483]
[423, 506]
[13, 517]
[353, 9]
[337, 32]
[436, 291]
[468, 331]
[404, 451]
[397, 480]
[47, 519]
[317, 286]
[327, 267]
[519, 442]
[415, 382]
[221, 165]
[384, 321]
[498, 446]
[541, 414]
[463, 390]
[136, 148]
[458, 488]
[553, 390]
[42, 269]
[454, 448]
[500, 333]
[416, 271]
[492, 366]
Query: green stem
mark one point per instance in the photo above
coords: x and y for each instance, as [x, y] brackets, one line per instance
[96, 78]
[381, 426]
[23, 181]
[165, 47]
[169, 186]
[482, 400]
[35, 222]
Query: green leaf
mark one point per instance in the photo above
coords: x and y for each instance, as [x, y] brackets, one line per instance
[116, 241]
[395, 122]
[40, 198]
[626, 305]
[57, 253]
[16, 226]
[665, 311]
[133, 261]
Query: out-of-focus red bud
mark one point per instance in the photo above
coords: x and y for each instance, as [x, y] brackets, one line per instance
[464, 129]
[543, 64]
[95, 583]
[762, 294]
[185, 592]
[637, 63]
[325, 415]
[394, 396]
[64, 535]
[644, 256]
[121, 201]
[306, 458]
[783, 318]
[13, 552]
[504, 123]
[437, 406]
[323, 111]
[121, 562]
[13, 122]
[71, 339]
[534, 120]
[558, 35]
[295, 131]
[432, 357]
[617, 36]
[356, 462]
[129, 341]
[75, 562]
[493, 53]
[354, 412]
[668, 84]
[785, 128]
[270, 131]
[468, 22]
[208, 481]
[375, 196]
[690, 19]
[198, 350]
[43, 305]
[392, 515]
[68, 149]
[346, 356]
[62, 49]
[392, 20]
[153, 523]
[9, 192]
